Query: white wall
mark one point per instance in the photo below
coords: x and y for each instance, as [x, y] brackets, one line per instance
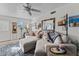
[71, 9]
[8, 35]
[16, 11]
[11, 12]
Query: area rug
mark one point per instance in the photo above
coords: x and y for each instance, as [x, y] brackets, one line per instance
[14, 50]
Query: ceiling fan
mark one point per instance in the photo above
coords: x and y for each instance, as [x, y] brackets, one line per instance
[28, 8]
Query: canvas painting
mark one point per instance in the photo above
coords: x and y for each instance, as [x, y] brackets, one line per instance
[14, 27]
[74, 21]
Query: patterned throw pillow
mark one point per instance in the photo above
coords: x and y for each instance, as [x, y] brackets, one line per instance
[52, 36]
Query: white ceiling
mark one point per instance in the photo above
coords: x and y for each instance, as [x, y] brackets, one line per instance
[45, 7]
[17, 10]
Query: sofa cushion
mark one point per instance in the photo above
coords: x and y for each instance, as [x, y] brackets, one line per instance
[52, 36]
[64, 38]
[40, 48]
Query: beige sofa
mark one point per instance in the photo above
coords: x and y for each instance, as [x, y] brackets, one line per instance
[41, 47]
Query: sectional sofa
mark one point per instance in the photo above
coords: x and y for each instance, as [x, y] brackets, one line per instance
[41, 45]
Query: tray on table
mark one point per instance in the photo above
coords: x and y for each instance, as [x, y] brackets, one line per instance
[57, 50]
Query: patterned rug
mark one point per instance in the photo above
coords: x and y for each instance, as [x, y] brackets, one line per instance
[14, 50]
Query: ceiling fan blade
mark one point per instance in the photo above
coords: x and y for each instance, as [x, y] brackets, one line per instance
[28, 5]
[35, 10]
[53, 12]
[24, 6]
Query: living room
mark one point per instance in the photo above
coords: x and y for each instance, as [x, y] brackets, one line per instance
[23, 30]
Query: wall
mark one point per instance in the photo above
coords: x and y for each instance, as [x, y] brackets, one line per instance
[71, 9]
[11, 12]
[8, 35]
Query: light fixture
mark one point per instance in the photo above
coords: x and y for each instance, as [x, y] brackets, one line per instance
[53, 12]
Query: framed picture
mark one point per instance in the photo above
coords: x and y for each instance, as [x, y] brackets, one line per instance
[14, 27]
[62, 23]
[48, 24]
[74, 21]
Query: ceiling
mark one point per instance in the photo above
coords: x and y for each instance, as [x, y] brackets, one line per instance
[45, 8]
[17, 10]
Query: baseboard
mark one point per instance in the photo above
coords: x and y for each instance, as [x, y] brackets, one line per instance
[8, 40]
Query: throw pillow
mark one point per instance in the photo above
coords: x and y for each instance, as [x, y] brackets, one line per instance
[52, 36]
[58, 40]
